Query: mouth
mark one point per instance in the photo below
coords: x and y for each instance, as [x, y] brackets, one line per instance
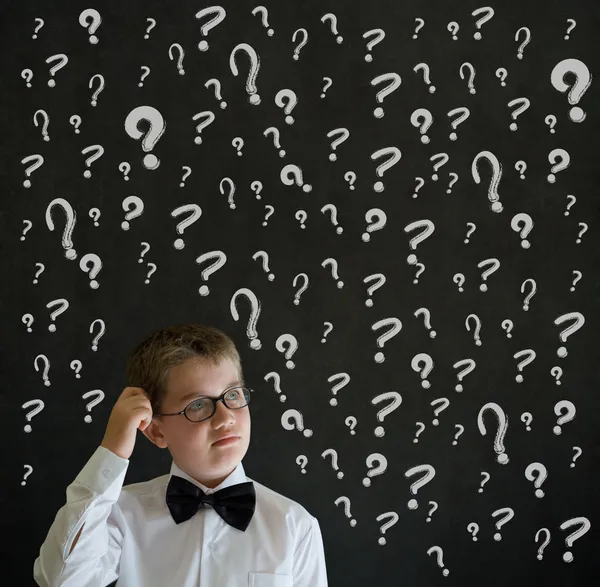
[226, 441]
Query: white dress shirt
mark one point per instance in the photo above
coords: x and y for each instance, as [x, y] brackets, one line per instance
[129, 535]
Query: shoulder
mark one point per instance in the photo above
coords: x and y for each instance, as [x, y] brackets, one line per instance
[144, 494]
[278, 508]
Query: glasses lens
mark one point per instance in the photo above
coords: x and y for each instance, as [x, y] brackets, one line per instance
[202, 408]
[199, 409]
[237, 397]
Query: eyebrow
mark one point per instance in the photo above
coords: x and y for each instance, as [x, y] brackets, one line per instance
[196, 394]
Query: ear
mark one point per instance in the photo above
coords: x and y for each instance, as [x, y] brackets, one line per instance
[154, 433]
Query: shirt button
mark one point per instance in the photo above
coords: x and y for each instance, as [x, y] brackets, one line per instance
[106, 473]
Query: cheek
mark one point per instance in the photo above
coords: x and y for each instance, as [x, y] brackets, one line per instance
[189, 435]
[246, 420]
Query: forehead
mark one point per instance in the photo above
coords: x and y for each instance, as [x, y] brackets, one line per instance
[202, 376]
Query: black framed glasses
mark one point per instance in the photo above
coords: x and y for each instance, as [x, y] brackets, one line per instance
[203, 408]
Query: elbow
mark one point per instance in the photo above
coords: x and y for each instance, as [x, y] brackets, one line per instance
[38, 573]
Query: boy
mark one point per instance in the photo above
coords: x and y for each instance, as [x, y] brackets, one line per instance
[205, 524]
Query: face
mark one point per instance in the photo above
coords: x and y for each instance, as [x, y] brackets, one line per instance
[191, 444]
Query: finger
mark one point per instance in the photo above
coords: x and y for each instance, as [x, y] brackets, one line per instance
[140, 401]
[133, 391]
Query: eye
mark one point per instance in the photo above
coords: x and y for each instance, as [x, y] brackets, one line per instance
[234, 394]
[197, 404]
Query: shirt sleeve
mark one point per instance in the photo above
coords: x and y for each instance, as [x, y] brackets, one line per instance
[309, 559]
[91, 500]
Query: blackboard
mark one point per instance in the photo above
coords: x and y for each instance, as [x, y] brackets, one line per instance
[420, 284]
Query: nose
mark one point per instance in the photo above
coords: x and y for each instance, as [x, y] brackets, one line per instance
[222, 415]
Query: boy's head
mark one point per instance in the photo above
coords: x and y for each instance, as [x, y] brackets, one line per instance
[175, 365]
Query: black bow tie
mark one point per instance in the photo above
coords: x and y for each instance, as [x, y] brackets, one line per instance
[235, 504]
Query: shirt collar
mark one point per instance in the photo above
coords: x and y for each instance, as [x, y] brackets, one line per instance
[237, 476]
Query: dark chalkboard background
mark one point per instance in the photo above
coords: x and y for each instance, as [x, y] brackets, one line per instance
[335, 336]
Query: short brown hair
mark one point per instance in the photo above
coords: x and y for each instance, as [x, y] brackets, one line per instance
[152, 359]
